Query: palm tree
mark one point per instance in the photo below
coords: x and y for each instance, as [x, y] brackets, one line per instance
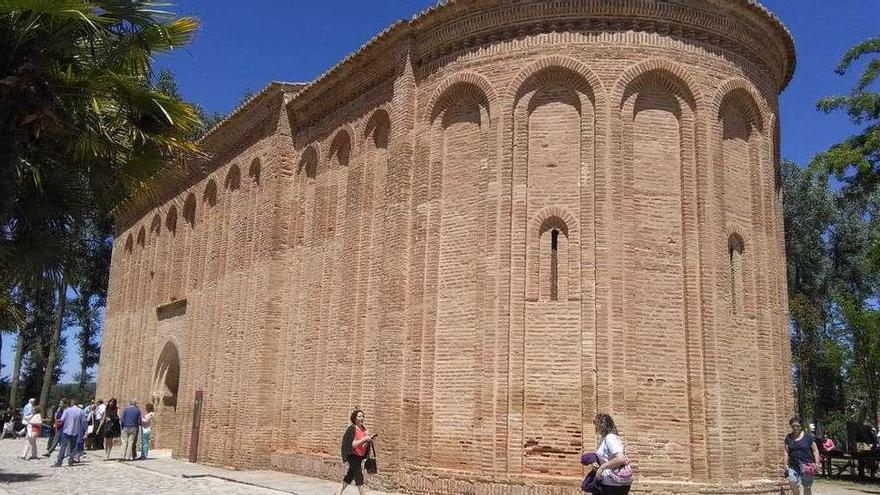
[81, 129]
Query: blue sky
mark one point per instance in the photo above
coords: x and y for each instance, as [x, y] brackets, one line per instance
[245, 46]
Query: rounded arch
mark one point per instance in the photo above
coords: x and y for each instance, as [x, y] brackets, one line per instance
[308, 162]
[189, 209]
[156, 225]
[736, 271]
[378, 128]
[255, 170]
[171, 219]
[142, 237]
[233, 178]
[735, 242]
[166, 378]
[551, 255]
[746, 95]
[735, 231]
[537, 223]
[738, 110]
[553, 223]
[209, 196]
[462, 83]
[669, 74]
[340, 147]
[557, 68]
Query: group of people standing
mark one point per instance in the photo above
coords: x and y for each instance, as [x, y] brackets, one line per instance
[76, 428]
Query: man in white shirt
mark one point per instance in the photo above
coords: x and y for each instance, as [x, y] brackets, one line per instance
[26, 413]
[100, 409]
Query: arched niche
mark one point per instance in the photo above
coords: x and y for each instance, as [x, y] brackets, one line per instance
[189, 210]
[736, 274]
[166, 378]
[554, 128]
[459, 148]
[156, 225]
[209, 196]
[308, 164]
[378, 129]
[339, 153]
[551, 273]
[171, 220]
[657, 139]
[233, 179]
[740, 134]
[305, 196]
[255, 170]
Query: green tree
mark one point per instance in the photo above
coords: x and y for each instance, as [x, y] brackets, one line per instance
[81, 128]
[808, 215]
[863, 322]
[849, 319]
[856, 161]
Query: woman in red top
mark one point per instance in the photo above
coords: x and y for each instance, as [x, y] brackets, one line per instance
[355, 446]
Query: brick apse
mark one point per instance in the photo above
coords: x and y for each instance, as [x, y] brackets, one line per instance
[487, 224]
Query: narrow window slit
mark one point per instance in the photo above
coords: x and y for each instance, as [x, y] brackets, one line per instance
[554, 265]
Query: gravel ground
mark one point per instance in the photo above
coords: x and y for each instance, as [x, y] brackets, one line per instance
[94, 475]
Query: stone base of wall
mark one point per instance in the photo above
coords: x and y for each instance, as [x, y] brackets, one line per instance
[416, 481]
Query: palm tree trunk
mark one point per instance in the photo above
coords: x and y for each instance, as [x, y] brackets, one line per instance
[16, 369]
[53, 346]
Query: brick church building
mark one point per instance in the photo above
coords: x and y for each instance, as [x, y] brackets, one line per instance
[487, 224]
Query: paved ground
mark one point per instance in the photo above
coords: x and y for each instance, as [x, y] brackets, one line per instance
[823, 487]
[160, 475]
[163, 475]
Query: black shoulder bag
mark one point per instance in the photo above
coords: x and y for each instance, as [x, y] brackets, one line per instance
[370, 464]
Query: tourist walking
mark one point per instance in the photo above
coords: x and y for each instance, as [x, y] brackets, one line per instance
[71, 429]
[109, 427]
[801, 458]
[146, 430]
[81, 436]
[34, 429]
[614, 471]
[356, 444]
[26, 412]
[92, 426]
[131, 422]
[100, 407]
[55, 432]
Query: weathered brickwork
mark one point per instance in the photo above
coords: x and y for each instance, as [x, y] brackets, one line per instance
[490, 223]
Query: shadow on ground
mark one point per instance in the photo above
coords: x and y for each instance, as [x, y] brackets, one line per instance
[18, 477]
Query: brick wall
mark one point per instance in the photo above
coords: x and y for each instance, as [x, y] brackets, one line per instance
[387, 242]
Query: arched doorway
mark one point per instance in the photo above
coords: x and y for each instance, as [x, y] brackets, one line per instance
[166, 379]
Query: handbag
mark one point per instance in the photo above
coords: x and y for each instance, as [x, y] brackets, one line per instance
[370, 465]
[622, 475]
[809, 468]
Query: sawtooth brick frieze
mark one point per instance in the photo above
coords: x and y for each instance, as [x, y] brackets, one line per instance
[491, 222]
